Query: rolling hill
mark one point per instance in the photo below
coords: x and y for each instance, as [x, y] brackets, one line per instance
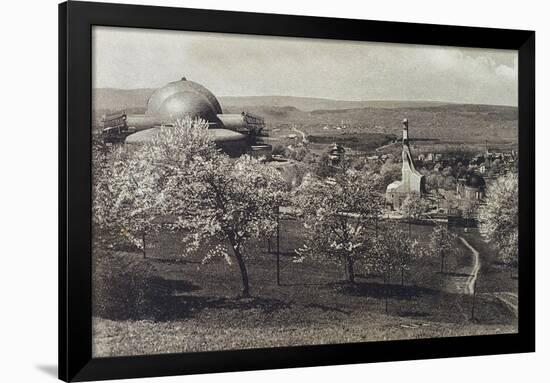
[110, 98]
[430, 120]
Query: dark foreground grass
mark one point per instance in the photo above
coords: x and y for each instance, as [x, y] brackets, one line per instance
[203, 311]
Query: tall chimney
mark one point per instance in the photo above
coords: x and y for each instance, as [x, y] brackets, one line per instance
[405, 131]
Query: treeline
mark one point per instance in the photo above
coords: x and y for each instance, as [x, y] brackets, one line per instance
[211, 198]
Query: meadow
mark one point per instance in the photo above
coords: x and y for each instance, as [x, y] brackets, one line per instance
[191, 307]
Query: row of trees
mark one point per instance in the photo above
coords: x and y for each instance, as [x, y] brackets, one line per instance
[183, 181]
[342, 226]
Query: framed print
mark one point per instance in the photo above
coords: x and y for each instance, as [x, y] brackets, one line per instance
[249, 191]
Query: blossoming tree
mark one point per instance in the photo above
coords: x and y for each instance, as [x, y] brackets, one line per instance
[498, 218]
[442, 243]
[214, 199]
[337, 214]
[124, 193]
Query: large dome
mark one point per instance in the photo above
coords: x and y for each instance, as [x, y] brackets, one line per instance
[161, 95]
[186, 103]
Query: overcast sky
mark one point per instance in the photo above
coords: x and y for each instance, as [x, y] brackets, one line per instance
[241, 65]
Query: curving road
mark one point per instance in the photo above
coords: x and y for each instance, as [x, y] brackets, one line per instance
[304, 136]
[470, 283]
[509, 299]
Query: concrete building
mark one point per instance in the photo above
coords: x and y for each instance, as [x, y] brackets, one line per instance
[411, 180]
[235, 134]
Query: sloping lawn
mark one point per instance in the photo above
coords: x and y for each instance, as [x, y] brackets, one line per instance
[201, 310]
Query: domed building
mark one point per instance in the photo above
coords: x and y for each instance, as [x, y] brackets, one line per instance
[183, 86]
[235, 134]
[470, 186]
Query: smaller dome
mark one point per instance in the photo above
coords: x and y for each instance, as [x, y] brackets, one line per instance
[475, 181]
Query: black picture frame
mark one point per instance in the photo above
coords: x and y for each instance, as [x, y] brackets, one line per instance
[75, 307]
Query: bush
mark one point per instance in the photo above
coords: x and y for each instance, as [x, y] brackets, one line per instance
[125, 287]
[297, 153]
[278, 150]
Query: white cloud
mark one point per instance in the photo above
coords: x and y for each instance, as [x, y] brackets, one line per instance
[506, 71]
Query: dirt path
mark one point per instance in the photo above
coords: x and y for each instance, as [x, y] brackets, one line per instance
[304, 136]
[470, 283]
[509, 299]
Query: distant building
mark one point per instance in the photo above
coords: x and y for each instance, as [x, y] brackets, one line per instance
[235, 134]
[336, 154]
[482, 169]
[470, 186]
[412, 182]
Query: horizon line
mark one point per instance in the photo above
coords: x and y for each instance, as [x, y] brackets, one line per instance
[329, 99]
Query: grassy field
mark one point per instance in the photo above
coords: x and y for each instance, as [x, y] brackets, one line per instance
[202, 310]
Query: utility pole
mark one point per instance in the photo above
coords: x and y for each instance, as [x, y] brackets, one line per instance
[473, 300]
[278, 254]
[143, 244]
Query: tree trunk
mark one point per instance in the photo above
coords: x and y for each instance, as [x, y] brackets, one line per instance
[442, 262]
[350, 273]
[240, 261]
[386, 292]
[269, 245]
[409, 228]
[402, 277]
[244, 273]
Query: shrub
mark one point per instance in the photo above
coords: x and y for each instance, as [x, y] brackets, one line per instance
[278, 150]
[125, 287]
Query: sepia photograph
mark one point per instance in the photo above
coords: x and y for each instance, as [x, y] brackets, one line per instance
[254, 191]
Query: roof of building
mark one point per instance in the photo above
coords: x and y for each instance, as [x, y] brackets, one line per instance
[217, 135]
[163, 94]
[187, 103]
[472, 179]
[475, 180]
